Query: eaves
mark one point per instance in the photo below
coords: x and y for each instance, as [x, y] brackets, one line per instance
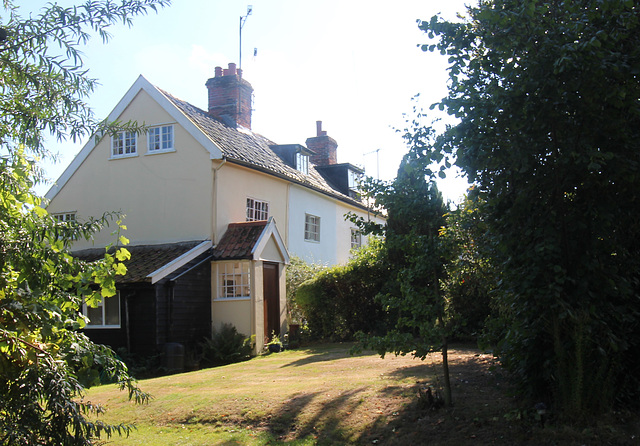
[339, 197]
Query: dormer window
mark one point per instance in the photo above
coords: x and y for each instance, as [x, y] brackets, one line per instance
[294, 155]
[302, 163]
[344, 178]
[353, 178]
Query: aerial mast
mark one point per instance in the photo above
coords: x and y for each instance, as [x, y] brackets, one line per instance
[243, 19]
[377, 152]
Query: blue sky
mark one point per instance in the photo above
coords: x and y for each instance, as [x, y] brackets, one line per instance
[355, 65]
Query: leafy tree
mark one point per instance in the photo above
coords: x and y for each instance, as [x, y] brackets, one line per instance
[546, 94]
[470, 275]
[413, 293]
[45, 362]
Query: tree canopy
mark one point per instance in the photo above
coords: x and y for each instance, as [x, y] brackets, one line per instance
[546, 97]
[45, 362]
[416, 255]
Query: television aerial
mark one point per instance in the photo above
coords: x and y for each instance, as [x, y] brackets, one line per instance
[243, 19]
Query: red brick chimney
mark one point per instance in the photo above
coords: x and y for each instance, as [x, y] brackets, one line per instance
[323, 146]
[230, 97]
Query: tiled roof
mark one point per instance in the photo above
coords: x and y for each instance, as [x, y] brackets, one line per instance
[251, 149]
[144, 260]
[239, 240]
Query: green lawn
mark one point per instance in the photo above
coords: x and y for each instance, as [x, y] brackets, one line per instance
[309, 396]
[324, 396]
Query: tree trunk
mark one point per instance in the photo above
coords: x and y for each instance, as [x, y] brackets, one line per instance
[445, 371]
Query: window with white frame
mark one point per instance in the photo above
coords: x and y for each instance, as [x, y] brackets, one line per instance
[124, 144]
[106, 314]
[160, 139]
[302, 162]
[64, 216]
[356, 238]
[311, 228]
[257, 210]
[234, 280]
[69, 217]
[354, 179]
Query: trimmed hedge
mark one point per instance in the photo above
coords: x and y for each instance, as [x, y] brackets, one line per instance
[340, 301]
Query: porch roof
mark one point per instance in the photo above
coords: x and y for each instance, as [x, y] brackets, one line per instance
[239, 240]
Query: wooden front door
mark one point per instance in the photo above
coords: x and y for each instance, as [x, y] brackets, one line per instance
[271, 290]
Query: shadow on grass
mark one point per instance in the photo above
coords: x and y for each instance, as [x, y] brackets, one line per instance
[390, 415]
[422, 371]
[324, 353]
[327, 423]
[474, 417]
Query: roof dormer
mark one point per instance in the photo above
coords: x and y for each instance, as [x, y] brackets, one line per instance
[295, 155]
[342, 177]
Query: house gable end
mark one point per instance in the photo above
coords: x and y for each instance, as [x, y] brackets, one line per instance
[141, 84]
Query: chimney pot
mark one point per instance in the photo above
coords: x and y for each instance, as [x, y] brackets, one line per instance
[318, 128]
[230, 97]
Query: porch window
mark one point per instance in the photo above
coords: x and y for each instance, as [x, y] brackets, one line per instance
[106, 314]
[234, 280]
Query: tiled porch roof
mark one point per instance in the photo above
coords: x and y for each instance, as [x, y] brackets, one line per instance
[144, 260]
[239, 240]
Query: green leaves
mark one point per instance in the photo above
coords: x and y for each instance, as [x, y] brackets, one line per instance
[45, 364]
[45, 85]
[546, 93]
[338, 302]
[411, 294]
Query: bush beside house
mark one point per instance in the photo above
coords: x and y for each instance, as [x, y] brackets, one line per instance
[339, 301]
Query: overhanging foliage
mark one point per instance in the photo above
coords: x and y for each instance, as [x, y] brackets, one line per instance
[546, 93]
[45, 363]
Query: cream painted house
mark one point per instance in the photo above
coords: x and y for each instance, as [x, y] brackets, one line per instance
[213, 212]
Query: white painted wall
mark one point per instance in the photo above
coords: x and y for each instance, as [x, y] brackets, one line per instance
[335, 232]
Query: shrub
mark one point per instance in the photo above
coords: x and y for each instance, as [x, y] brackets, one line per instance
[226, 346]
[298, 271]
[339, 301]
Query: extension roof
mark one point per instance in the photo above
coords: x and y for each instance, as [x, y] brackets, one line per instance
[150, 263]
[237, 145]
